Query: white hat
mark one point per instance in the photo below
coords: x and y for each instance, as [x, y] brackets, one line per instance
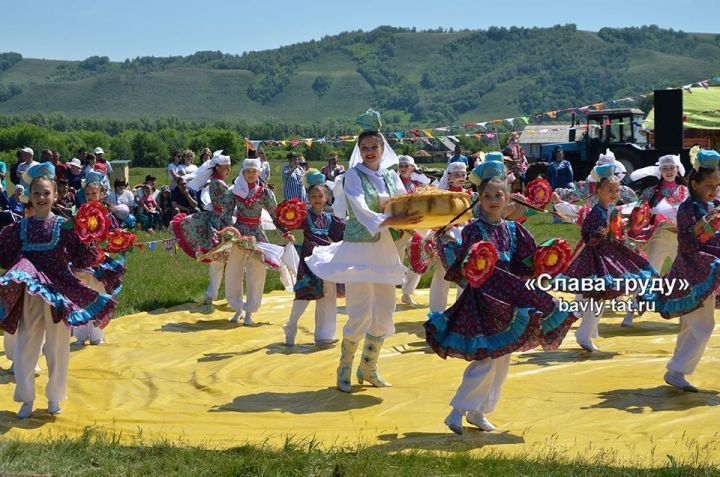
[252, 164]
[406, 160]
[99, 150]
[456, 167]
[656, 170]
[75, 162]
[28, 150]
[204, 172]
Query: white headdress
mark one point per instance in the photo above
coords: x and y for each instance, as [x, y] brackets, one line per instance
[656, 170]
[451, 168]
[205, 171]
[609, 158]
[241, 187]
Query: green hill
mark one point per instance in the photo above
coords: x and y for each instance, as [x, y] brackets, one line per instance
[424, 77]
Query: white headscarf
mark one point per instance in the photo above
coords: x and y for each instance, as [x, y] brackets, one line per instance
[241, 187]
[609, 158]
[452, 167]
[656, 170]
[388, 159]
[205, 171]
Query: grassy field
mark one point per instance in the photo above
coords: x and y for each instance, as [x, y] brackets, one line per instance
[101, 455]
[153, 281]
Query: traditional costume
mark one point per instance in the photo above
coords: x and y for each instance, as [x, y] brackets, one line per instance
[367, 262]
[39, 295]
[318, 230]
[488, 323]
[601, 257]
[698, 262]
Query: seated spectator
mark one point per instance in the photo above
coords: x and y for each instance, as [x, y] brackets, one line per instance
[166, 207]
[150, 209]
[14, 202]
[182, 199]
[122, 204]
[65, 203]
[74, 174]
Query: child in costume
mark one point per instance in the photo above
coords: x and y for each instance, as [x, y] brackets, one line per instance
[664, 199]
[39, 295]
[197, 232]
[491, 320]
[698, 262]
[411, 181]
[105, 277]
[601, 256]
[320, 228]
[366, 260]
[251, 197]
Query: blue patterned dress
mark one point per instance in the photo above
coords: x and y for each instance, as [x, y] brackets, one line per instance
[37, 253]
[601, 256]
[698, 263]
[318, 231]
[502, 315]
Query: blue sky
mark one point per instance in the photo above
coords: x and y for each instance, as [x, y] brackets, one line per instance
[76, 29]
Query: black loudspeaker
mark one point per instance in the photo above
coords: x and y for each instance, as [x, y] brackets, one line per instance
[669, 120]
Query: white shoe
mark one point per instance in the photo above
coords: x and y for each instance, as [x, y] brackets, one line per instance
[480, 421]
[96, 342]
[454, 421]
[248, 319]
[408, 300]
[678, 380]
[26, 410]
[79, 343]
[236, 317]
[54, 408]
[208, 300]
[588, 346]
[326, 344]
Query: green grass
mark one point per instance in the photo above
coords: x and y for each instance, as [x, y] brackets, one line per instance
[97, 454]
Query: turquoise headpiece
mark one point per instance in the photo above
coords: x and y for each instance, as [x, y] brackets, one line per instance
[46, 169]
[313, 177]
[603, 171]
[93, 177]
[707, 159]
[487, 170]
[494, 156]
[370, 120]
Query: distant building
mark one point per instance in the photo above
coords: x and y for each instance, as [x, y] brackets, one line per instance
[440, 148]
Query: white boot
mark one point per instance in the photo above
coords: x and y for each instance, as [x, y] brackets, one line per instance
[454, 421]
[480, 421]
[678, 380]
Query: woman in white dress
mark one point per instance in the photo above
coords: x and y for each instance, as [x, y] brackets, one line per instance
[366, 260]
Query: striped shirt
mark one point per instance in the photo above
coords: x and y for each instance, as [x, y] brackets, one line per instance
[292, 183]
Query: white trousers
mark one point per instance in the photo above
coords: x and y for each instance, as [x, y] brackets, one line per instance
[662, 246]
[482, 380]
[696, 329]
[35, 323]
[244, 265]
[325, 314]
[411, 279]
[370, 308]
[588, 328]
[439, 288]
[9, 345]
[216, 271]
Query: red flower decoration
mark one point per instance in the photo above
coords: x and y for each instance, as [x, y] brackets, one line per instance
[617, 225]
[291, 213]
[92, 222]
[582, 213]
[120, 241]
[479, 263]
[552, 258]
[421, 251]
[639, 219]
[538, 192]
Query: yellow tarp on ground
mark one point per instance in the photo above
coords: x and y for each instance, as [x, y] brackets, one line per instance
[187, 374]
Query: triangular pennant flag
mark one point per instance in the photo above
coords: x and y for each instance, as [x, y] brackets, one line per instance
[482, 125]
[704, 84]
[427, 132]
[598, 106]
[688, 88]
[552, 114]
[152, 246]
[398, 135]
[526, 119]
[255, 144]
[308, 142]
[249, 144]
[510, 121]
